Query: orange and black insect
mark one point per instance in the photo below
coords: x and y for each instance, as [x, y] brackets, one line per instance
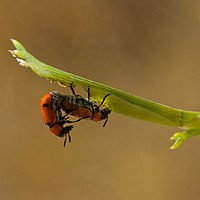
[52, 116]
[57, 108]
[80, 107]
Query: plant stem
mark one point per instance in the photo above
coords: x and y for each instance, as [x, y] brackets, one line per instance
[119, 101]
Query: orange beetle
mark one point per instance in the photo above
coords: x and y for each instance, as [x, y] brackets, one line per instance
[52, 116]
[56, 110]
[80, 107]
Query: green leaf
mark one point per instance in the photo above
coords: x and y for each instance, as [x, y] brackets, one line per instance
[119, 101]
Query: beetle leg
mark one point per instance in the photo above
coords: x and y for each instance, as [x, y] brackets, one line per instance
[88, 93]
[65, 140]
[69, 136]
[78, 120]
[72, 89]
[67, 130]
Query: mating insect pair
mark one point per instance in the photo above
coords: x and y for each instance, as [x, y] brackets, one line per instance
[57, 109]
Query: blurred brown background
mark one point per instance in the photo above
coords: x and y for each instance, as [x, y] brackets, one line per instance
[147, 48]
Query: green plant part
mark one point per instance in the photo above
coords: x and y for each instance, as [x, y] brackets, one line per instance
[119, 101]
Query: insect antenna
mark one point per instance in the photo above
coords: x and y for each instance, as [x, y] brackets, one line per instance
[104, 124]
[104, 100]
